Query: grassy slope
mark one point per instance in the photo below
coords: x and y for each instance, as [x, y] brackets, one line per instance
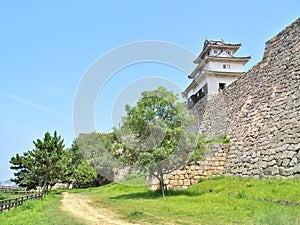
[217, 201]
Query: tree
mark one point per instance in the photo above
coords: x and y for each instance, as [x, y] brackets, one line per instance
[24, 177]
[81, 173]
[96, 149]
[75, 158]
[43, 166]
[85, 175]
[155, 134]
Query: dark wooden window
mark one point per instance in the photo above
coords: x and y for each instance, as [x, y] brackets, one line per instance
[222, 86]
[197, 96]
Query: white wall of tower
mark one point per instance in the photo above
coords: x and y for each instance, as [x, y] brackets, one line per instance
[219, 66]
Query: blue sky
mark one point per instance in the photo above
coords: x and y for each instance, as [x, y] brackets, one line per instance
[47, 46]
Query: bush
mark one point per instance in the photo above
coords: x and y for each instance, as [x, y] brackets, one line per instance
[85, 175]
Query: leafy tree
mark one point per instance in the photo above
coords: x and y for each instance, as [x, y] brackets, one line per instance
[81, 173]
[97, 151]
[75, 158]
[43, 166]
[155, 134]
[85, 175]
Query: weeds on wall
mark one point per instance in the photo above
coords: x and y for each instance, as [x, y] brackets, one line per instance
[203, 142]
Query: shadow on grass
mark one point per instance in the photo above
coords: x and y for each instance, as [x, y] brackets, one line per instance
[157, 194]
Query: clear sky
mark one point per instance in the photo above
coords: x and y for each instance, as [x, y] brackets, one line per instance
[46, 48]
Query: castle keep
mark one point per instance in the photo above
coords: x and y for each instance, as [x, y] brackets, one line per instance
[216, 68]
[260, 112]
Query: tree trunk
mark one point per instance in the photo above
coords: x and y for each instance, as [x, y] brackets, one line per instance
[45, 186]
[161, 181]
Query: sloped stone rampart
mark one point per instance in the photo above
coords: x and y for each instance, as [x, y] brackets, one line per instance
[261, 112]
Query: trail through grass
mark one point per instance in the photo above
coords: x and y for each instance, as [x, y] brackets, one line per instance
[79, 206]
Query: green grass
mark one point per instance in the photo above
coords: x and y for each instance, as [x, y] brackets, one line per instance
[39, 212]
[6, 195]
[216, 201]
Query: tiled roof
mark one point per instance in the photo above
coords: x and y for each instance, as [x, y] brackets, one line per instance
[217, 42]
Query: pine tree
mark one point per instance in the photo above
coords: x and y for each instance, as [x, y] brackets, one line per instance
[43, 166]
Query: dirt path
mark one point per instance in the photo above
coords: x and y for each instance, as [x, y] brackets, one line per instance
[79, 206]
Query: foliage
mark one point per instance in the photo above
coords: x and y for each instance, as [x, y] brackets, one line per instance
[155, 134]
[222, 139]
[134, 178]
[23, 176]
[43, 166]
[203, 142]
[81, 173]
[85, 175]
[75, 157]
[97, 151]
[198, 153]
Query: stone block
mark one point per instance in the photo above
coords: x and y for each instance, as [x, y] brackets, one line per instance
[296, 169]
[264, 165]
[274, 170]
[170, 187]
[187, 182]
[272, 152]
[291, 147]
[191, 176]
[293, 162]
[271, 157]
[220, 168]
[268, 171]
[182, 172]
[279, 162]
[273, 162]
[193, 167]
[174, 182]
[285, 162]
[286, 172]
[297, 146]
[181, 177]
[266, 158]
[254, 160]
[291, 154]
[194, 182]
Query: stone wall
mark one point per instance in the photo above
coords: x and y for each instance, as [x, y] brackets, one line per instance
[261, 113]
[198, 110]
[213, 165]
